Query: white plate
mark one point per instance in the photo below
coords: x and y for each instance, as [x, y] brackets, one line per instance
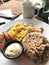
[22, 60]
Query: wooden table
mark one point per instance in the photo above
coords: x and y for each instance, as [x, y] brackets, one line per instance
[39, 18]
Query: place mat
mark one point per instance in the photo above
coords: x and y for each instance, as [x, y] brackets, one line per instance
[15, 6]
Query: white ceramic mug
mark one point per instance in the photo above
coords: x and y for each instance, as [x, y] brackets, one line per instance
[29, 10]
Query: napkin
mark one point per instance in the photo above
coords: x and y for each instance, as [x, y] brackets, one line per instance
[6, 13]
[2, 20]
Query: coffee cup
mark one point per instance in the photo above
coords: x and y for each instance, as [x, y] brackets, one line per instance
[29, 10]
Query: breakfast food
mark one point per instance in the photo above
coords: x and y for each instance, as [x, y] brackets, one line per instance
[35, 46]
[7, 36]
[2, 41]
[20, 30]
[13, 50]
[35, 43]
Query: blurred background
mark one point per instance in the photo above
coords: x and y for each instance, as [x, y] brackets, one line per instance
[15, 5]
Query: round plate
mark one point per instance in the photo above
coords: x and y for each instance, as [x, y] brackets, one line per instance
[23, 60]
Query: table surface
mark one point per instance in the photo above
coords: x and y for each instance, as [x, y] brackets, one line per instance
[7, 20]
